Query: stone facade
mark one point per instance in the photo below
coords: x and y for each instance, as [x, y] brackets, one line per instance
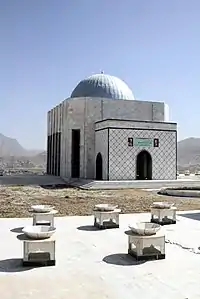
[84, 113]
[119, 159]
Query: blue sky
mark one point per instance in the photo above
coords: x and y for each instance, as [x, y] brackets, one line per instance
[48, 46]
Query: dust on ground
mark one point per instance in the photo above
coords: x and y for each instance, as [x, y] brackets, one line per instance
[15, 201]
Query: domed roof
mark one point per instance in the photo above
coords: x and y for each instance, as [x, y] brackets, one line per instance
[103, 86]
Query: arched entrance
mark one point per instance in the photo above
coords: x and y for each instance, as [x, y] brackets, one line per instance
[144, 166]
[99, 167]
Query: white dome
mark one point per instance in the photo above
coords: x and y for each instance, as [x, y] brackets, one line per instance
[103, 86]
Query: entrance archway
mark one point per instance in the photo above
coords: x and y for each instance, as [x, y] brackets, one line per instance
[99, 167]
[144, 166]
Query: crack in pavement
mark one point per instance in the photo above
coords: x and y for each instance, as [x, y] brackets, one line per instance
[193, 250]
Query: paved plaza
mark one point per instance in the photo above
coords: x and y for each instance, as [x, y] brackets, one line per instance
[94, 264]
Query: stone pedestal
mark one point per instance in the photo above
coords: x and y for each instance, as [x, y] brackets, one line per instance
[163, 216]
[104, 220]
[44, 218]
[38, 252]
[146, 247]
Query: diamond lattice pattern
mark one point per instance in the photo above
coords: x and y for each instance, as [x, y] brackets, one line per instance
[122, 158]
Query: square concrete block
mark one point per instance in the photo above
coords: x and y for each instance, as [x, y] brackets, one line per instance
[44, 218]
[163, 216]
[146, 247]
[104, 220]
[39, 252]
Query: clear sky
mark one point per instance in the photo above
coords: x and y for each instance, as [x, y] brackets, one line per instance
[48, 46]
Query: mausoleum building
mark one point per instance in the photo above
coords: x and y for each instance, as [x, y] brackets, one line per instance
[101, 132]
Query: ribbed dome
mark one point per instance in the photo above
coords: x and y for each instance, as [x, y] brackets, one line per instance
[103, 86]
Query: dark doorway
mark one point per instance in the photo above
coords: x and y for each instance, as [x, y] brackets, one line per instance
[75, 162]
[144, 166]
[53, 154]
[59, 153]
[48, 154]
[99, 167]
[56, 153]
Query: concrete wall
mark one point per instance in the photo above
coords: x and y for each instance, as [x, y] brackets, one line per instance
[82, 113]
[72, 118]
[112, 123]
[54, 126]
[101, 146]
[158, 112]
[167, 113]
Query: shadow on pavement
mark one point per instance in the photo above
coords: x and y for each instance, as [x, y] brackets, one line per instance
[88, 228]
[193, 216]
[13, 265]
[17, 230]
[121, 259]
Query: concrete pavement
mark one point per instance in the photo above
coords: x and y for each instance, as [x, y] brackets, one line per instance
[91, 184]
[109, 185]
[94, 264]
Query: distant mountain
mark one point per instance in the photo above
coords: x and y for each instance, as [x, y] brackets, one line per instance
[39, 159]
[189, 153]
[11, 147]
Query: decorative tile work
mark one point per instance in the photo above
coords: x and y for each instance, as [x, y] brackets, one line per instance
[122, 158]
[101, 146]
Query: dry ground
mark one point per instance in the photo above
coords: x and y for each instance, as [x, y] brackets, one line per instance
[15, 201]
